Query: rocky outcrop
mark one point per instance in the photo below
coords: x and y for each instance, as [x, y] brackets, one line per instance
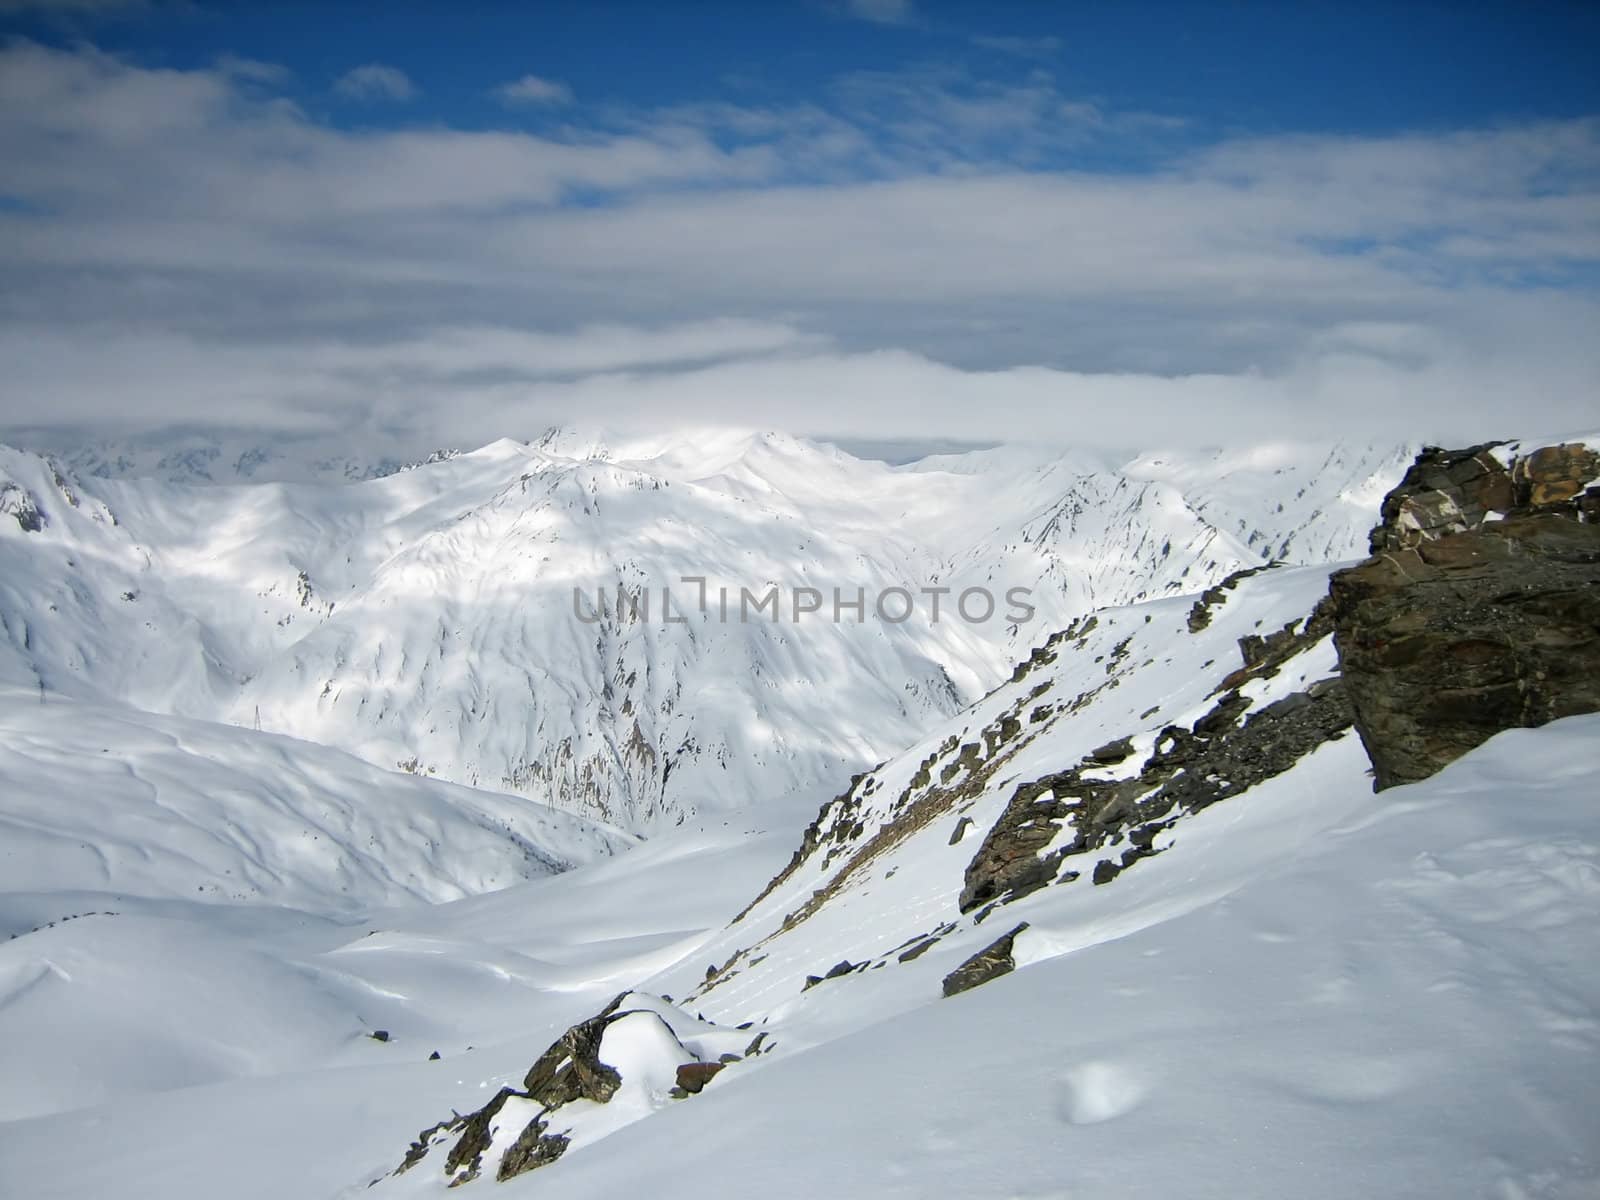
[1457, 491]
[1200, 614]
[1224, 752]
[570, 1070]
[1480, 608]
[18, 503]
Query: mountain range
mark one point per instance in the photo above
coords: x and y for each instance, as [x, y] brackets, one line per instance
[362, 821]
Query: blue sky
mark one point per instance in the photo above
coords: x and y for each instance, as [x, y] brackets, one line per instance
[1090, 221]
[1308, 67]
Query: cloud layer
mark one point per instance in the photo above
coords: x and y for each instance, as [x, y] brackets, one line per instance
[920, 251]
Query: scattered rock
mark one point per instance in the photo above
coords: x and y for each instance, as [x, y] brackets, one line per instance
[1111, 753]
[379, 1035]
[693, 1076]
[834, 972]
[1227, 750]
[993, 961]
[1200, 614]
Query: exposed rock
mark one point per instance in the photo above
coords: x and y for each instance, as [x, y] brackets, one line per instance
[1111, 753]
[533, 1148]
[1453, 491]
[993, 961]
[1186, 771]
[1465, 623]
[960, 831]
[834, 972]
[477, 1131]
[693, 1076]
[1200, 614]
[571, 1069]
[17, 502]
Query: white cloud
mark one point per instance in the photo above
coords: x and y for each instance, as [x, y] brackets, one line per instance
[183, 245]
[375, 81]
[531, 89]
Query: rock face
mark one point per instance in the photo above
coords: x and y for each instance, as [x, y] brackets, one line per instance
[571, 1069]
[1480, 608]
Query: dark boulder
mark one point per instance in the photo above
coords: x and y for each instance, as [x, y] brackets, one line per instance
[693, 1076]
[993, 961]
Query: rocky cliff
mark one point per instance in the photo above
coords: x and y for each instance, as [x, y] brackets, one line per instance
[1479, 609]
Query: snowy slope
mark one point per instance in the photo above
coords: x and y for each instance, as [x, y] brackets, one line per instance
[1272, 975]
[1314, 967]
[1402, 1004]
[106, 800]
[426, 619]
[193, 1011]
[1392, 994]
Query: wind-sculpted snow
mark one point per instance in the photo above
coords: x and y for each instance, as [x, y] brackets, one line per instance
[426, 620]
[103, 799]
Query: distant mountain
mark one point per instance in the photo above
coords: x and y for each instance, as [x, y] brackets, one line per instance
[207, 457]
[436, 618]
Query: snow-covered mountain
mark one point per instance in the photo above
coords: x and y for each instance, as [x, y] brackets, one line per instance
[199, 457]
[1303, 960]
[435, 619]
[1137, 903]
[1281, 951]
